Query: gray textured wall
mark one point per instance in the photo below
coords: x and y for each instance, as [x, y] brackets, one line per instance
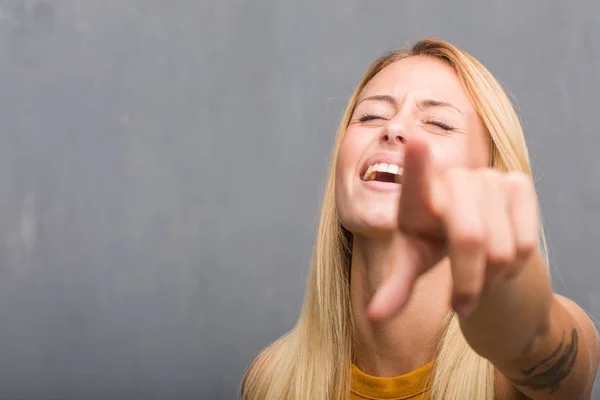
[161, 164]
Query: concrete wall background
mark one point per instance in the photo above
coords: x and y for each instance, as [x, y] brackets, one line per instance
[161, 164]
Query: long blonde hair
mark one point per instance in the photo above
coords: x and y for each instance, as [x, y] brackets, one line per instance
[313, 360]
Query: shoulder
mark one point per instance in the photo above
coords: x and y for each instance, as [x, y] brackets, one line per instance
[589, 333]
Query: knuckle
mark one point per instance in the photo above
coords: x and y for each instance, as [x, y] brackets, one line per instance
[526, 246]
[519, 180]
[491, 175]
[500, 258]
[469, 238]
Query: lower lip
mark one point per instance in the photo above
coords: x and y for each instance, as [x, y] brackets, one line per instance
[382, 186]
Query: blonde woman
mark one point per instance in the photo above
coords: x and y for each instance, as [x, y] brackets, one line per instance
[429, 278]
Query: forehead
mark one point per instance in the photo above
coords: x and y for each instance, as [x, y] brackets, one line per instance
[419, 76]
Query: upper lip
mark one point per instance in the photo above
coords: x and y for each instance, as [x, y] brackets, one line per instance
[388, 158]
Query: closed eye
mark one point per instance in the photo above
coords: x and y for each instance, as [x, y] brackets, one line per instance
[440, 124]
[370, 117]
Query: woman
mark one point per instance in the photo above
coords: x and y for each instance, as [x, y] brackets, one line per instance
[429, 277]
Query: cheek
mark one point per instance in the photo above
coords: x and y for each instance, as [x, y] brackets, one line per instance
[343, 168]
[352, 148]
[459, 152]
[349, 154]
[448, 154]
[479, 149]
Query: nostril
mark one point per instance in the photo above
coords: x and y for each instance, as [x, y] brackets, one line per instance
[386, 137]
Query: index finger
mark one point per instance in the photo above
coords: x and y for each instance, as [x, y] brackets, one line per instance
[418, 205]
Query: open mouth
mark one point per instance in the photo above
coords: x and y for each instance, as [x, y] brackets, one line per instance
[383, 172]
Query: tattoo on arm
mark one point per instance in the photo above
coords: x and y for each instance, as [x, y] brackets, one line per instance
[550, 372]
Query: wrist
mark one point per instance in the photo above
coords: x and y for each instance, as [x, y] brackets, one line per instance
[513, 316]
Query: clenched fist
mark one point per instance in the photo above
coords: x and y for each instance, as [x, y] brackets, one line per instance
[484, 220]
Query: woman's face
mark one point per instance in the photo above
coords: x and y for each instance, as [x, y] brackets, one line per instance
[414, 96]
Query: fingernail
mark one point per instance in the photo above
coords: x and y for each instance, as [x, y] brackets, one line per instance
[462, 308]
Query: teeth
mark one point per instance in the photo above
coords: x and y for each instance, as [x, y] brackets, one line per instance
[382, 167]
[370, 174]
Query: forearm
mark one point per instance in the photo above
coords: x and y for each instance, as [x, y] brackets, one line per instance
[530, 337]
[512, 315]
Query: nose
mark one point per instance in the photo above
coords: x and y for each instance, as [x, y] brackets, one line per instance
[394, 132]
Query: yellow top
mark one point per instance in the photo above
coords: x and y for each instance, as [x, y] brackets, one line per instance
[407, 386]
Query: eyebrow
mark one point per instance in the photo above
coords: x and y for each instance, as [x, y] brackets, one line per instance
[421, 104]
[380, 97]
[428, 103]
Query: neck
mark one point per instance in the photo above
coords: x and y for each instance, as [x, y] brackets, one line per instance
[407, 340]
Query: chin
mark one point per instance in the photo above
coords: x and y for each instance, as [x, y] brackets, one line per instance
[372, 224]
